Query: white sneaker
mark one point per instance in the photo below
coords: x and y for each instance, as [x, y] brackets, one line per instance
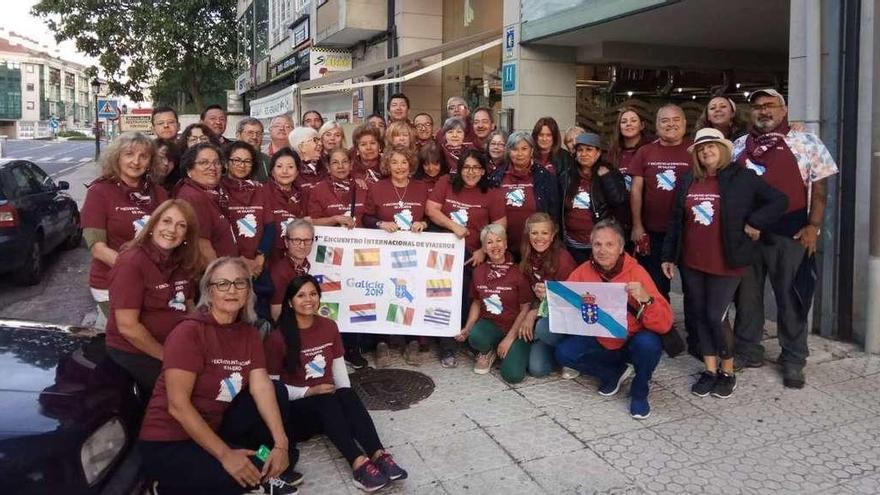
[570, 373]
[484, 362]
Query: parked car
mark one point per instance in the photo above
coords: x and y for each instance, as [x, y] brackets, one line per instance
[36, 217]
[69, 415]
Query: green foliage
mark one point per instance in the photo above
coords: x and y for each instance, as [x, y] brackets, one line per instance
[171, 46]
[70, 134]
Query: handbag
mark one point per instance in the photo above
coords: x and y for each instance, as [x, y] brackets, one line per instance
[672, 343]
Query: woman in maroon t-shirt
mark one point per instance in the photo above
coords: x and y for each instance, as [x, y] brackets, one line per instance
[284, 201]
[339, 200]
[201, 188]
[151, 289]
[214, 404]
[311, 167]
[248, 212]
[720, 210]
[454, 145]
[305, 351]
[548, 140]
[431, 167]
[501, 299]
[544, 258]
[366, 154]
[117, 206]
[629, 136]
[496, 148]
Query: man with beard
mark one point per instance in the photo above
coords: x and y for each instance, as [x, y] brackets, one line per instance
[796, 163]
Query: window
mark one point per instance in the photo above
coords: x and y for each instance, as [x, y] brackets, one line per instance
[30, 105]
[45, 182]
[30, 86]
[25, 183]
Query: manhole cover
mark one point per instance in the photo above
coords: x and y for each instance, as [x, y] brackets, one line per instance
[391, 389]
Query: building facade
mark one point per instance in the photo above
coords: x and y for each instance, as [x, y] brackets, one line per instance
[36, 86]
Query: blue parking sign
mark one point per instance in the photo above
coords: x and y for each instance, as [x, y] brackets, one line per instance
[508, 78]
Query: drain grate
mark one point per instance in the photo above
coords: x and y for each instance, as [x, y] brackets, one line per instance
[391, 389]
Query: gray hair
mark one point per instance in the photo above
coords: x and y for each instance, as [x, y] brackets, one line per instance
[247, 313]
[518, 136]
[301, 223]
[246, 122]
[453, 123]
[281, 117]
[492, 228]
[608, 223]
[455, 99]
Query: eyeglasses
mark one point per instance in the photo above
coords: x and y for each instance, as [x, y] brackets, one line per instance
[300, 241]
[454, 107]
[197, 139]
[422, 127]
[766, 106]
[286, 127]
[224, 285]
[471, 168]
[241, 161]
[253, 133]
[206, 164]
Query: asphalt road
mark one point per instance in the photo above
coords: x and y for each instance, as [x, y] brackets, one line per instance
[55, 157]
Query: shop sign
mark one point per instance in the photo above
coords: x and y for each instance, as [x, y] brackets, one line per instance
[299, 32]
[324, 61]
[139, 123]
[508, 78]
[294, 63]
[281, 102]
[510, 42]
[243, 83]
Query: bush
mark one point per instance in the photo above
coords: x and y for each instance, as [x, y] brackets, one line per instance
[81, 137]
[71, 134]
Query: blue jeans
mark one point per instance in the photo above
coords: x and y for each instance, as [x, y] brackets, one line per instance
[587, 355]
[541, 360]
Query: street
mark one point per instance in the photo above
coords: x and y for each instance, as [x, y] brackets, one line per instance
[55, 157]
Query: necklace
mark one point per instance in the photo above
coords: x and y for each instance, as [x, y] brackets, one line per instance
[399, 196]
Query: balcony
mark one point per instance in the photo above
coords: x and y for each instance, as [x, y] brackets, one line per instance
[343, 23]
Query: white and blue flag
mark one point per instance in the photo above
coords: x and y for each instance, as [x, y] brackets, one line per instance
[587, 308]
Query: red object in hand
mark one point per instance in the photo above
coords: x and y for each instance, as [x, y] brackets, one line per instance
[643, 245]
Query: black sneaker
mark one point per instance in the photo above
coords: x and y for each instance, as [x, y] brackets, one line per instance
[612, 385]
[369, 478]
[793, 376]
[742, 362]
[354, 358]
[285, 484]
[724, 385]
[386, 464]
[705, 384]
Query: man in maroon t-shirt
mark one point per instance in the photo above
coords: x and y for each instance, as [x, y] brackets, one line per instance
[656, 169]
[796, 163]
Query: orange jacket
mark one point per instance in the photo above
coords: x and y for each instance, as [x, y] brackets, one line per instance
[657, 316]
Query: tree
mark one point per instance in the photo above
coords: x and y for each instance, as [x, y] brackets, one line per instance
[187, 45]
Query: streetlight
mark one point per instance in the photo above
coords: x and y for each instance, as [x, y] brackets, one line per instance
[96, 86]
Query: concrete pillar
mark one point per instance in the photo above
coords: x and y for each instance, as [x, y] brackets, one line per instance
[867, 317]
[546, 80]
[420, 26]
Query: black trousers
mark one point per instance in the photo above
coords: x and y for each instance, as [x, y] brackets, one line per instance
[706, 300]
[142, 368]
[185, 468]
[341, 416]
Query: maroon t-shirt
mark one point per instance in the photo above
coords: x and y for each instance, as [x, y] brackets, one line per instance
[213, 223]
[430, 182]
[500, 298]
[115, 208]
[519, 203]
[779, 168]
[320, 344]
[221, 356]
[365, 169]
[578, 216]
[402, 205]
[247, 213]
[284, 207]
[537, 271]
[331, 198]
[283, 270]
[310, 175]
[469, 208]
[144, 279]
[702, 243]
[661, 167]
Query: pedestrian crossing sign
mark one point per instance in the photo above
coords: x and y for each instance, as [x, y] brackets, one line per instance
[108, 109]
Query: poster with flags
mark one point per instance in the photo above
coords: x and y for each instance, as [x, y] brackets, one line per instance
[587, 308]
[399, 283]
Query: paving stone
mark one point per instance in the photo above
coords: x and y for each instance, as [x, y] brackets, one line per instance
[596, 420]
[701, 436]
[509, 480]
[641, 453]
[421, 422]
[579, 472]
[499, 408]
[567, 394]
[862, 392]
[820, 408]
[529, 379]
[768, 472]
[682, 365]
[460, 455]
[765, 423]
[667, 406]
[316, 449]
[869, 485]
[830, 373]
[863, 365]
[534, 438]
[323, 475]
[697, 479]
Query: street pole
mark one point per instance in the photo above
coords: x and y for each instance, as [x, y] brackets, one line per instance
[97, 130]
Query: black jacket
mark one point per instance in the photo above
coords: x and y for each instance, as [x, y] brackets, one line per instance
[544, 182]
[608, 196]
[745, 199]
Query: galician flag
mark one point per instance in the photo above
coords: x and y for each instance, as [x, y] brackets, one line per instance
[587, 308]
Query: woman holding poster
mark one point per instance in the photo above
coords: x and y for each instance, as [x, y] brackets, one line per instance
[501, 298]
[338, 201]
[305, 352]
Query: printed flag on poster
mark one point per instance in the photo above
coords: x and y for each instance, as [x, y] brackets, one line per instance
[362, 312]
[587, 308]
[438, 261]
[404, 259]
[329, 255]
[329, 310]
[378, 282]
[400, 314]
[367, 257]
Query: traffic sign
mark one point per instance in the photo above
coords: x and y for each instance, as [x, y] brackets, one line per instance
[108, 109]
[508, 78]
[53, 123]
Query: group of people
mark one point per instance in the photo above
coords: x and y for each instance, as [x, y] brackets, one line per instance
[199, 217]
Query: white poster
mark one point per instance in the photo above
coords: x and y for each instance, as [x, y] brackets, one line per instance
[401, 283]
[597, 309]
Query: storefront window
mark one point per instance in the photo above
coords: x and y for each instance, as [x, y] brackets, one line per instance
[261, 28]
[477, 78]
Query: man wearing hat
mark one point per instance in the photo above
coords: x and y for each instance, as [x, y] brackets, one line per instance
[592, 190]
[796, 163]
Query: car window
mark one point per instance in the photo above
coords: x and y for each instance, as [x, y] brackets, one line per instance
[25, 182]
[43, 179]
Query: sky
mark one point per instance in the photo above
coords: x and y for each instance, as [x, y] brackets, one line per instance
[17, 18]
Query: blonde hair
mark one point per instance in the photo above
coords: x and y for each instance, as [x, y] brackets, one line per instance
[247, 313]
[699, 170]
[187, 254]
[110, 158]
[329, 126]
[396, 129]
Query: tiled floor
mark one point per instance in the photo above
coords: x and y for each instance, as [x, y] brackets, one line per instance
[476, 434]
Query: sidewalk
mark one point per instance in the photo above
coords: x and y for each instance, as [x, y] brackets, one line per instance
[476, 434]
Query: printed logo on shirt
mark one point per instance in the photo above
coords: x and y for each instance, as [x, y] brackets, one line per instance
[516, 197]
[247, 226]
[316, 367]
[404, 219]
[666, 180]
[284, 225]
[459, 216]
[179, 301]
[704, 213]
[493, 304]
[229, 387]
[628, 181]
[581, 201]
[757, 167]
[140, 223]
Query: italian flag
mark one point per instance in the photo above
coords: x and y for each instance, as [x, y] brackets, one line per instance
[400, 314]
[329, 255]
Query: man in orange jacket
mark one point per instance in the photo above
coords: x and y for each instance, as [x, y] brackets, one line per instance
[649, 316]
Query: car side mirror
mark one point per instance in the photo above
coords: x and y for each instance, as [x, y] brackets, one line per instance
[63, 185]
